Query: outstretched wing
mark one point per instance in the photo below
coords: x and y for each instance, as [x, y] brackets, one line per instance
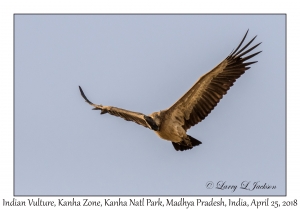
[198, 102]
[136, 117]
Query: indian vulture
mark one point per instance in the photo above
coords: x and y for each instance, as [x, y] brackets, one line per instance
[172, 124]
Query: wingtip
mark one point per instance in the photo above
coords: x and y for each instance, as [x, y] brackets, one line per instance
[238, 47]
[83, 95]
[246, 33]
[80, 89]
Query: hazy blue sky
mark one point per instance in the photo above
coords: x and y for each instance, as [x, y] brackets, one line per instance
[144, 63]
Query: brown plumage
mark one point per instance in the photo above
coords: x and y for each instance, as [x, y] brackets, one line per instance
[171, 124]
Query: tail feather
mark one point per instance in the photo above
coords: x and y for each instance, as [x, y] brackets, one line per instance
[181, 146]
[194, 141]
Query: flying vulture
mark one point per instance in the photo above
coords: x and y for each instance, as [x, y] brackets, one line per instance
[171, 124]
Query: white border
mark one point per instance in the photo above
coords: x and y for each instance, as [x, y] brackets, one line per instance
[8, 8]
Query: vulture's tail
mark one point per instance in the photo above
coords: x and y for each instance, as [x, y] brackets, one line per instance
[182, 147]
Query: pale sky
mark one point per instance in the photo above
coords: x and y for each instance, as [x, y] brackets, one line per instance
[144, 63]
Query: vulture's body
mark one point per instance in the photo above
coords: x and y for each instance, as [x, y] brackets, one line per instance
[172, 123]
